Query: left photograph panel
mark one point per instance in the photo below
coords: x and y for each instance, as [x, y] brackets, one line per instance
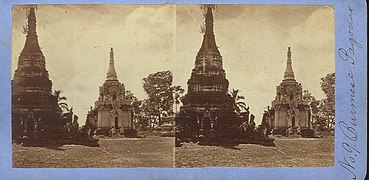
[92, 86]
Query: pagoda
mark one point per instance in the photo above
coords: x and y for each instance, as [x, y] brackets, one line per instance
[207, 105]
[34, 108]
[289, 109]
[112, 112]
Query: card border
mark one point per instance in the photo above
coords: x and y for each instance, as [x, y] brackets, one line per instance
[342, 138]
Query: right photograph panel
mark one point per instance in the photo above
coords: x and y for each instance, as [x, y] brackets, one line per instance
[259, 86]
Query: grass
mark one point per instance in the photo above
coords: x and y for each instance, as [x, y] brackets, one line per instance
[112, 153]
[289, 152]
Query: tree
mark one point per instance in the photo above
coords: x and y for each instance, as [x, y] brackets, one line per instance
[158, 87]
[313, 102]
[328, 87]
[63, 106]
[314, 106]
[134, 101]
[323, 111]
[238, 103]
[139, 107]
[327, 105]
[178, 94]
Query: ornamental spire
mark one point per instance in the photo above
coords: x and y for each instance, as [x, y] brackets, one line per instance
[112, 74]
[208, 43]
[289, 74]
[31, 46]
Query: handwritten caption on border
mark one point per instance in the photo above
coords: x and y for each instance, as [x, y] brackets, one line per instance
[348, 127]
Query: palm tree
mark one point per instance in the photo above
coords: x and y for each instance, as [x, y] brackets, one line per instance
[61, 100]
[178, 92]
[238, 103]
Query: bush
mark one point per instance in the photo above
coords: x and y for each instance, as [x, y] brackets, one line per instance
[307, 133]
[130, 133]
[279, 131]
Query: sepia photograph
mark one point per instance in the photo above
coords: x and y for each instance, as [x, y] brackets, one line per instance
[92, 86]
[111, 89]
[260, 86]
[173, 86]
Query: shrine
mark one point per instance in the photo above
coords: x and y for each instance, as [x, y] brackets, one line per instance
[113, 113]
[207, 106]
[289, 111]
[35, 111]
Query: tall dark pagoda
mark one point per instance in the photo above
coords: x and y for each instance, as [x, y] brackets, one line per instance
[34, 108]
[207, 104]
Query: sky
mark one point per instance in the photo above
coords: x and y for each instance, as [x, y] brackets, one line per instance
[76, 41]
[253, 40]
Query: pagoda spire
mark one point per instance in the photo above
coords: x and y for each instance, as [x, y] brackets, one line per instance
[289, 74]
[112, 74]
[31, 46]
[208, 43]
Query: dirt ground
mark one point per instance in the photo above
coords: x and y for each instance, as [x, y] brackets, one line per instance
[295, 152]
[159, 152]
[112, 153]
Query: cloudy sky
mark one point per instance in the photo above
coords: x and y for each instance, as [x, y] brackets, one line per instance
[76, 41]
[253, 41]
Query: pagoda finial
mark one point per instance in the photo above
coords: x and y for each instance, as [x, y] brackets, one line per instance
[112, 74]
[31, 46]
[289, 74]
[208, 43]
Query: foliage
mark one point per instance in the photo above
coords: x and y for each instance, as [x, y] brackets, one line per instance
[314, 106]
[328, 87]
[327, 105]
[205, 7]
[313, 102]
[178, 95]
[134, 101]
[323, 111]
[63, 106]
[158, 87]
[139, 108]
[162, 95]
[238, 101]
